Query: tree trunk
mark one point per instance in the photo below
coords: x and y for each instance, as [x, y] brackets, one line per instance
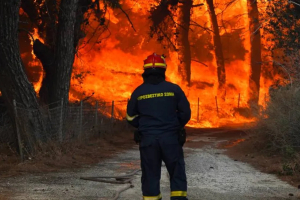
[44, 18]
[255, 57]
[64, 52]
[13, 80]
[218, 49]
[183, 44]
[45, 55]
[58, 63]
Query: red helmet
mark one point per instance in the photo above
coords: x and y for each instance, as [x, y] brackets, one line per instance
[155, 60]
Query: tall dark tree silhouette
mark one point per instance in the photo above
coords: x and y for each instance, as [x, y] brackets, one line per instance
[218, 49]
[182, 41]
[254, 28]
[162, 17]
[14, 84]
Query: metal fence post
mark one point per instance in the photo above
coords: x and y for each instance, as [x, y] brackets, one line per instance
[198, 111]
[112, 116]
[112, 110]
[127, 124]
[239, 100]
[18, 132]
[96, 117]
[60, 131]
[80, 119]
[217, 105]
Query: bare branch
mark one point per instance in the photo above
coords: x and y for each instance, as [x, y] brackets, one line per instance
[200, 62]
[294, 3]
[28, 32]
[98, 6]
[172, 44]
[283, 67]
[197, 5]
[127, 17]
[196, 24]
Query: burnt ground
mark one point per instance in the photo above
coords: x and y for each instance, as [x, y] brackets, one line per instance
[56, 157]
[206, 151]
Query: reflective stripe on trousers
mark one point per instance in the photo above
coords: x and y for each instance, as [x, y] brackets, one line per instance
[158, 197]
[178, 194]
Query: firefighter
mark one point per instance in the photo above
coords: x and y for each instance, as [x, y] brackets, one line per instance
[160, 110]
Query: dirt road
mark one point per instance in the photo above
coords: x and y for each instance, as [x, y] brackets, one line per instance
[211, 176]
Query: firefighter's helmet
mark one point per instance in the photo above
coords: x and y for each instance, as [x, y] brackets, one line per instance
[155, 60]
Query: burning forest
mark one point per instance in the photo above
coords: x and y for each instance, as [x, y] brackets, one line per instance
[78, 77]
[213, 50]
[222, 53]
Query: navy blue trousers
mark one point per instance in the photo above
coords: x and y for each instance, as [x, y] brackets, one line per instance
[152, 156]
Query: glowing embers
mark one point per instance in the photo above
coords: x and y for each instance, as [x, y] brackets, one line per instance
[35, 36]
[234, 143]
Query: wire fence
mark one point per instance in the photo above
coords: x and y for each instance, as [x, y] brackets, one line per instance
[212, 107]
[80, 121]
[6, 128]
[84, 120]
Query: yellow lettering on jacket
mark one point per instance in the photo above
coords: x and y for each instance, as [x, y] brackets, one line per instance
[155, 95]
[169, 94]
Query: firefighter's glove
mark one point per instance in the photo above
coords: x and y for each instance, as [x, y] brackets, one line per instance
[137, 136]
[182, 136]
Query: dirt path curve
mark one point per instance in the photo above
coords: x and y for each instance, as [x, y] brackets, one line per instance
[211, 176]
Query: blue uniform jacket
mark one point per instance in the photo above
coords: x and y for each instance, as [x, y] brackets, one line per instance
[158, 111]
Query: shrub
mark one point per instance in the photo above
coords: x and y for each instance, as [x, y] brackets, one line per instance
[280, 120]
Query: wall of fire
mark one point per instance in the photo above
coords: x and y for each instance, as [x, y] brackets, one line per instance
[108, 66]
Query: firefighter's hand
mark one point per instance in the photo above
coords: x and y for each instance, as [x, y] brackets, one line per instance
[182, 136]
[137, 137]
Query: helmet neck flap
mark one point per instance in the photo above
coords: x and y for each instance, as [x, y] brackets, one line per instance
[154, 76]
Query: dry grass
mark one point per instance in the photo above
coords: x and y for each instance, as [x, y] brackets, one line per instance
[275, 140]
[53, 156]
[255, 152]
[280, 121]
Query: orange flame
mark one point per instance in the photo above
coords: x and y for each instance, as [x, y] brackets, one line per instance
[36, 62]
[110, 69]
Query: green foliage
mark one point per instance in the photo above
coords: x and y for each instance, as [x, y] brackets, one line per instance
[283, 25]
[289, 152]
[287, 169]
[280, 121]
[282, 31]
[279, 125]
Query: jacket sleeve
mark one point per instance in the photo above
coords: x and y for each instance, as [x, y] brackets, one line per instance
[183, 108]
[132, 115]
